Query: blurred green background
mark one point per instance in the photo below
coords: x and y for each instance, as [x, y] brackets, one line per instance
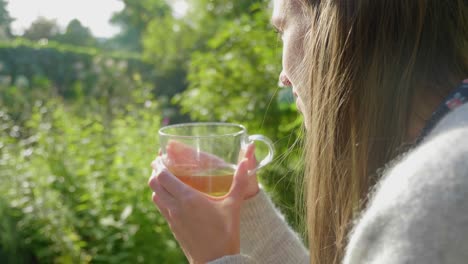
[79, 117]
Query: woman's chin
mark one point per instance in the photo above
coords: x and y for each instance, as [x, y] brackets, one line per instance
[299, 105]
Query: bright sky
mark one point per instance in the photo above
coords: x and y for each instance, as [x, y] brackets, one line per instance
[94, 14]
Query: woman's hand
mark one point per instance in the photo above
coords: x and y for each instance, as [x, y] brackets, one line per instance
[206, 228]
[183, 159]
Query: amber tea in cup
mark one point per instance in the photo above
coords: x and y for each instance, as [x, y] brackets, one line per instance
[205, 155]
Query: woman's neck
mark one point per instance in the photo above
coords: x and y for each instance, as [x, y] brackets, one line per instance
[424, 107]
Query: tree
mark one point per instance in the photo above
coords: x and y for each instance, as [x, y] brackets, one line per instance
[77, 34]
[134, 19]
[42, 28]
[5, 20]
[240, 59]
[221, 9]
[170, 43]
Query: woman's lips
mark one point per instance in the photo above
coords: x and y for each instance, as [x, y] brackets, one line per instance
[294, 91]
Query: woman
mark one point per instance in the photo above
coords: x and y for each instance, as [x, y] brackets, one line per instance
[378, 83]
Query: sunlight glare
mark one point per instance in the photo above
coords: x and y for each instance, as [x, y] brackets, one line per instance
[91, 13]
[180, 8]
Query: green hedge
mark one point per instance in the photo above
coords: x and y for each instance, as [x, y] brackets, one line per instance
[63, 65]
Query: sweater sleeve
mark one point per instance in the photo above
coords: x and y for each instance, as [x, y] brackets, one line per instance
[234, 259]
[265, 236]
[419, 211]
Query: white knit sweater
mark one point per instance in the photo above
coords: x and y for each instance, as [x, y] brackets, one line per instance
[417, 214]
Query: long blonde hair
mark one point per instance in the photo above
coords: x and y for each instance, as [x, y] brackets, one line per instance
[367, 62]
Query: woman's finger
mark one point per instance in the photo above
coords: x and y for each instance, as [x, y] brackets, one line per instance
[240, 182]
[152, 181]
[157, 201]
[179, 153]
[169, 181]
[164, 198]
[250, 155]
[172, 184]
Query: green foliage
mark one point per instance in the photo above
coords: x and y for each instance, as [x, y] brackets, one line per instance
[78, 35]
[133, 20]
[241, 61]
[73, 184]
[42, 28]
[63, 48]
[205, 12]
[168, 43]
[75, 34]
[5, 18]
[64, 65]
[5, 21]
[74, 172]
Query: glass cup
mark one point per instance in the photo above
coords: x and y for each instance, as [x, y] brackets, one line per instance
[205, 155]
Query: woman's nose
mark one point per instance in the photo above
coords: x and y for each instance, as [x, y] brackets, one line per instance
[284, 80]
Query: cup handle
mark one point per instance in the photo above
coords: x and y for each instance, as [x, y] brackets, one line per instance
[271, 151]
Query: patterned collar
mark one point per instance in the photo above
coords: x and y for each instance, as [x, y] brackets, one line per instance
[456, 98]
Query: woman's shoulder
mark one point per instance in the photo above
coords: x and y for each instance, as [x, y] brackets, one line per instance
[439, 163]
[456, 119]
[418, 212]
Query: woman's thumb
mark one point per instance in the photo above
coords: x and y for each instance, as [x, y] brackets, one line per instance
[250, 155]
[240, 181]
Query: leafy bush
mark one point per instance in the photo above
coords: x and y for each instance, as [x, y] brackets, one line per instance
[63, 65]
[74, 184]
